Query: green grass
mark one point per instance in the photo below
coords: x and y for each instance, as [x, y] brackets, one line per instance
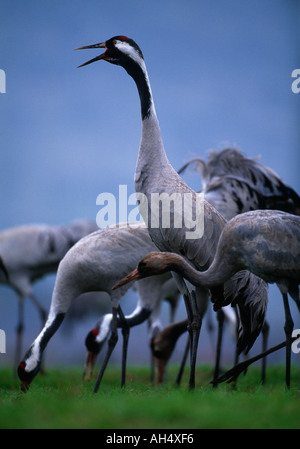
[60, 399]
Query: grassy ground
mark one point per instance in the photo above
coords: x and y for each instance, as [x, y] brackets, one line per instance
[59, 399]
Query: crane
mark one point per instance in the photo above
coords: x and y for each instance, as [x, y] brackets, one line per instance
[265, 242]
[164, 342]
[233, 184]
[150, 296]
[28, 253]
[155, 176]
[94, 263]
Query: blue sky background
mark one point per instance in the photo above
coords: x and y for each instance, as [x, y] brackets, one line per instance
[220, 72]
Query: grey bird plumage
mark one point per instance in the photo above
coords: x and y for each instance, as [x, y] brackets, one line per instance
[234, 183]
[265, 242]
[29, 252]
[94, 263]
[155, 174]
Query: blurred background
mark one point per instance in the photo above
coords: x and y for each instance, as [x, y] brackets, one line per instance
[220, 72]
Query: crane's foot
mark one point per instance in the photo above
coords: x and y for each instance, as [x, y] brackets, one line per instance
[232, 374]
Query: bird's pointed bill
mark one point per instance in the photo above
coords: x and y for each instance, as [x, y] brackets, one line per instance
[133, 276]
[24, 386]
[89, 364]
[102, 56]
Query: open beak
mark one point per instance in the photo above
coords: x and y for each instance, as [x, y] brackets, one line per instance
[130, 277]
[103, 56]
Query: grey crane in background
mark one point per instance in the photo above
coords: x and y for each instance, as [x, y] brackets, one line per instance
[32, 251]
[234, 183]
[163, 344]
[150, 297]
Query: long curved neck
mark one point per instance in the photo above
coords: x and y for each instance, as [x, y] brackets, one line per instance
[152, 157]
[34, 354]
[177, 329]
[210, 278]
[138, 316]
[60, 303]
[139, 74]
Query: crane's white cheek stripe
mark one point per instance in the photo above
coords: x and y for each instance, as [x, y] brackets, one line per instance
[127, 49]
[105, 328]
[41, 341]
[32, 361]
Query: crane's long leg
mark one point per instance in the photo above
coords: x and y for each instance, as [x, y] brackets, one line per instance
[189, 311]
[196, 327]
[183, 361]
[220, 318]
[185, 354]
[19, 330]
[288, 329]
[194, 323]
[42, 311]
[111, 345]
[152, 369]
[232, 374]
[125, 333]
[152, 362]
[210, 328]
[265, 335]
[202, 311]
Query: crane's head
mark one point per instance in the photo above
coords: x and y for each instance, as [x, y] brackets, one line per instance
[26, 375]
[152, 264]
[93, 347]
[119, 50]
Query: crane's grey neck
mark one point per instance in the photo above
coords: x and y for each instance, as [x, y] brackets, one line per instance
[209, 278]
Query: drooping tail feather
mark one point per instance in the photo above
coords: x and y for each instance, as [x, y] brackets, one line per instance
[249, 294]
